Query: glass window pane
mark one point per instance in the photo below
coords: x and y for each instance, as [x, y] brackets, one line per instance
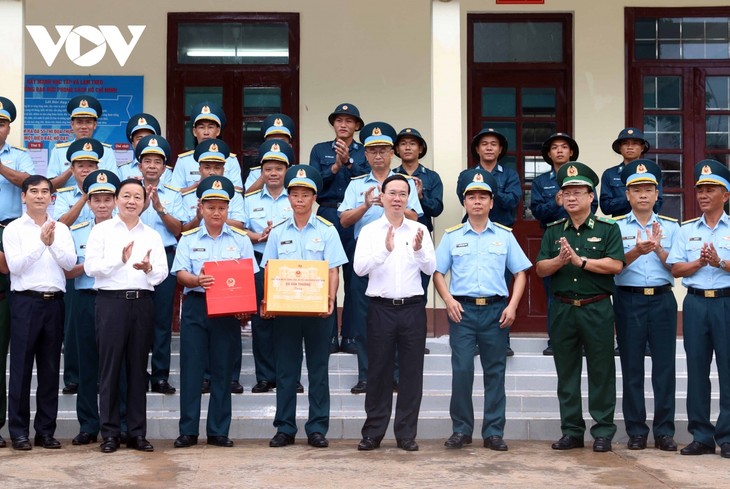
[716, 28]
[534, 166]
[538, 102]
[671, 165]
[716, 132]
[233, 43]
[195, 95]
[663, 132]
[649, 92]
[717, 94]
[645, 28]
[683, 38]
[498, 102]
[526, 199]
[669, 28]
[693, 28]
[261, 100]
[252, 135]
[672, 206]
[534, 134]
[507, 129]
[669, 49]
[518, 42]
[645, 50]
[669, 92]
[509, 162]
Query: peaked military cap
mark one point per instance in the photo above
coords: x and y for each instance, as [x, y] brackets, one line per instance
[641, 171]
[85, 149]
[206, 111]
[712, 172]
[7, 109]
[377, 134]
[576, 173]
[215, 187]
[478, 179]
[153, 144]
[278, 125]
[276, 150]
[84, 106]
[214, 150]
[100, 182]
[142, 121]
[303, 176]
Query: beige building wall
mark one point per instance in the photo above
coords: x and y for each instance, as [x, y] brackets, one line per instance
[11, 60]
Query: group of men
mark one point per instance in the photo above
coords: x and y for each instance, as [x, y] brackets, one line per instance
[124, 234]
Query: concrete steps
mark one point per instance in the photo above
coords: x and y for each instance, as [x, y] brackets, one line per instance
[532, 406]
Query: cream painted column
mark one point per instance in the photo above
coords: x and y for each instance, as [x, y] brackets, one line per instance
[446, 101]
[11, 59]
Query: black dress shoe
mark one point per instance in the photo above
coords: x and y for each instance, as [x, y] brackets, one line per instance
[510, 352]
[46, 441]
[123, 437]
[360, 387]
[495, 443]
[548, 352]
[697, 448]
[236, 387]
[317, 440]
[602, 444]
[458, 440]
[348, 346]
[83, 438]
[407, 444]
[163, 387]
[426, 351]
[70, 388]
[725, 450]
[21, 443]
[3, 443]
[665, 443]
[300, 388]
[185, 441]
[636, 442]
[281, 440]
[140, 443]
[263, 386]
[110, 444]
[205, 387]
[568, 442]
[367, 444]
[220, 441]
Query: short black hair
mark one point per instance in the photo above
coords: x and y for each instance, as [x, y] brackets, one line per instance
[392, 178]
[34, 180]
[130, 181]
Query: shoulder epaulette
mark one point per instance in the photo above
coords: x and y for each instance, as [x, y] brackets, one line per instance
[232, 155]
[454, 228]
[63, 145]
[358, 177]
[618, 218]
[253, 193]
[123, 163]
[279, 223]
[65, 189]
[324, 220]
[20, 148]
[190, 231]
[189, 191]
[255, 168]
[79, 225]
[186, 153]
[689, 220]
[406, 175]
[238, 189]
[559, 221]
[506, 228]
[605, 219]
[171, 187]
[107, 145]
[170, 167]
[239, 231]
[667, 218]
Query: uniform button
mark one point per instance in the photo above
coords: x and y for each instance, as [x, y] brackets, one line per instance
[575, 280]
[578, 234]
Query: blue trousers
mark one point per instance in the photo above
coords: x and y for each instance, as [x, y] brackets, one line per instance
[264, 353]
[163, 298]
[359, 331]
[87, 406]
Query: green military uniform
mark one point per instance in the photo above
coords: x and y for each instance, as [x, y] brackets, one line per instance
[586, 321]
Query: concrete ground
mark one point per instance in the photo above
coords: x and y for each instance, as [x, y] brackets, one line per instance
[252, 464]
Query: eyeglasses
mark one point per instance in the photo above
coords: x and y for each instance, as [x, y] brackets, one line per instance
[378, 151]
[576, 194]
[393, 194]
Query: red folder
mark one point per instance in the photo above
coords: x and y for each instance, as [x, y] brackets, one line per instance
[233, 291]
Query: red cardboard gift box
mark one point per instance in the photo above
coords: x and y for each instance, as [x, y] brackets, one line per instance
[233, 291]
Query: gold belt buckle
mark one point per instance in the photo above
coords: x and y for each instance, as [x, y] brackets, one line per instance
[576, 303]
[710, 294]
[649, 291]
[481, 301]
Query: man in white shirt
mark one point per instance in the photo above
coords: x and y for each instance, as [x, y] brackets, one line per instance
[127, 260]
[37, 250]
[393, 251]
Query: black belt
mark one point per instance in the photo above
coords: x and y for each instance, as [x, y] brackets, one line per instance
[331, 204]
[125, 294]
[578, 301]
[195, 293]
[479, 301]
[87, 291]
[709, 293]
[170, 249]
[662, 289]
[398, 302]
[46, 296]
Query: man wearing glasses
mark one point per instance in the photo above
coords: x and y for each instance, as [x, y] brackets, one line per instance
[581, 254]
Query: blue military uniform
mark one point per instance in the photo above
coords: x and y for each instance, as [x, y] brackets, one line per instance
[208, 342]
[317, 240]
[477, 262]
[646, 315]
[130, 169]
[705, 313]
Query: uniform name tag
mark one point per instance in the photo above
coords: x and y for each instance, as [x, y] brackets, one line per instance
[194, 172]
[83, 246]
[594, 240]
[258, 209]
[462, 245]
[696, 238]
[628, 237]
[288, 241]
[198, 249]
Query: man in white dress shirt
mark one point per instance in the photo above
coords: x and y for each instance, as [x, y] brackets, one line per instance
[393, 251]
[38, 250]
[127, 260]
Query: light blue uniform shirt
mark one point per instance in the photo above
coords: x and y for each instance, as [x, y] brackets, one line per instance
[11, 205]
[171, 200]
[197, 247]
[58, 164]
[80, 234]
[687, 245]
[318, 240]
[253, 175]
[647, 270]
[477, 261]
[261, 207]
[187, 171]
[235, 206]
[66, 197]
[355, 196]
[131, 169]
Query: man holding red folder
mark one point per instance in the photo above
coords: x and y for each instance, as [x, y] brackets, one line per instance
[201, 337]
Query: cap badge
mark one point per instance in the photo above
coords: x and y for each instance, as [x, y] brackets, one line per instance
[301, 173]
[213, 148]
[572, 171]
[630, 131]
[205, 110]
[641, 169]
[217, 185]
[153, 142]
[101, 178]
[1, 106]
[344, 107]
[377, 131]
[408, 130]
[88, 147]
[141, 121]
[84, 104]
[478, 178]
[275, 148]
[706, 170]
[278, 123]
[490, 129]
